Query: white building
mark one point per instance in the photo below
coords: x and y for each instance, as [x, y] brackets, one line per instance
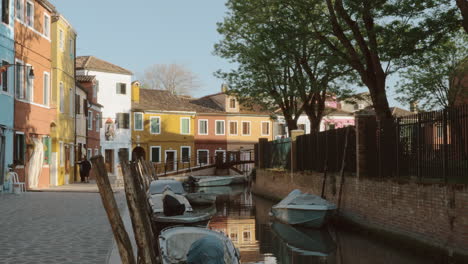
[114, 94]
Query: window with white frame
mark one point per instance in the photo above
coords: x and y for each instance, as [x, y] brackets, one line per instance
[20, 148]
[220, 152]
[219, 127]
[233, 128]
[29, 84]
[138, 121]
[19, 72]
[46, 93]
[62, 154]
[89, 153]
[185, 153]
[155, 125]
[6, 11]
[203, 127]
[4, 78]
[265, 128]
[62, 98]
[20, 9]
[202, 156]
[46, 29]
[121, 88]
[61, 40]
[90, 120]
[30, 13]
[98, 122]
[71, 102]
[246, 128]
[71, 48]
[185, 125]
[95, 88]
[155, 154]
[232, 103]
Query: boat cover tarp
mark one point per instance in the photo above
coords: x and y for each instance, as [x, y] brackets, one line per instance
[297, 198]
[172, 206]
[159, 186]
[206, 250]
[157, 204]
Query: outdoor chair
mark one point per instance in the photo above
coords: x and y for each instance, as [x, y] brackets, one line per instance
[15, 182]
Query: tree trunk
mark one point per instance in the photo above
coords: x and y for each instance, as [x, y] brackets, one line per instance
[315, 123]
[376, 85]
[463, 6]
[291, 123]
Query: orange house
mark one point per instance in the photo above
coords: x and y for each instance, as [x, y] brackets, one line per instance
[34, 114]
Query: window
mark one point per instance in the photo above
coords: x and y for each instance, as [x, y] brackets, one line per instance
[265, 128]
[46, 141]
[185, 154]
[109, 158]
[90, 120]
[19, 70]
[246, 235]
[155, 125]
[96, 152]
[155, 154]
[95, 88]
[29, 84]
[89, 153]
[30, 14]
[71, 48]
[138, 121]
[219, 127]
[61, 40]
[281, 129]
[78, 104]
[232, 103]
[4, 78]
[121, 88]
[98, 122]
[71, 101]
[233, 236]
[46, 29]
[233, 128]
[20, 9]
[203, 127]
[245, 128]
[20, 148]
[6, 11]
[223, 154]
[62, 154]
[46, 88]
[185, 125]
[202, 156]
[301, 127]
[123, 120]
[62, 98]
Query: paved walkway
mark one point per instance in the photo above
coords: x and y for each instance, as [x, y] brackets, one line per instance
[77, 187]
[55, 227]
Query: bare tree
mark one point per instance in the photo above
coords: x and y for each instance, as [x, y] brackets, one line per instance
[176, 78]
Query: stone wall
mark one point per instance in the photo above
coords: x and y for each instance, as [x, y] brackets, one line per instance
[430, 213]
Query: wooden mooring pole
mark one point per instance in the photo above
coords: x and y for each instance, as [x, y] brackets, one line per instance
[343, 165]
[110, 205]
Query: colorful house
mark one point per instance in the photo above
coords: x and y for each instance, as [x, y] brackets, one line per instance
[35, 114]
[63, 97]
[163, 127]
[7, 69]
[113, 92]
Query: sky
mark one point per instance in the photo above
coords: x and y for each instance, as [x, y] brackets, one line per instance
[139, 33]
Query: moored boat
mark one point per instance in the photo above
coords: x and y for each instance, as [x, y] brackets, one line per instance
[207, 181]
[303, 209]
[200, 198]
[179, 244]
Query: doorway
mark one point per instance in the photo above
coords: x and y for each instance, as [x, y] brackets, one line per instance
[171, 160]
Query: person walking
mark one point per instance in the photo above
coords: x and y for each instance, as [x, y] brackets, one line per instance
[85, 167]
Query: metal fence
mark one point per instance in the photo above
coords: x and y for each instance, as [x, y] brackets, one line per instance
[429, 146]
[324, 151]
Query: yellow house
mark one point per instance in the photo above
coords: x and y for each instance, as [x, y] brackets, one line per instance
[63, 39]
[162, 128]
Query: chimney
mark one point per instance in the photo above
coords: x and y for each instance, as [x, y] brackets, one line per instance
[414, 106]
[135, 92]
[224, 88]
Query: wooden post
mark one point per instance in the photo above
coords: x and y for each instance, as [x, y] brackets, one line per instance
[343, 165]
[141, 229]
[115, 220]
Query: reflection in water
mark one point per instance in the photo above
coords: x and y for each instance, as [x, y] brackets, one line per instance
[245, 219]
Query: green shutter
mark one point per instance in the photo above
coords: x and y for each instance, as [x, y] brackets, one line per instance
[185, 126]
[47, 147]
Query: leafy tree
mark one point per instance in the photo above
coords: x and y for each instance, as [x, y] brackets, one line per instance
[279, 59]
[436, 80]
[377, 38]
[463, 6]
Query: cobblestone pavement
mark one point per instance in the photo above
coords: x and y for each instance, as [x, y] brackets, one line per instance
[55, 227]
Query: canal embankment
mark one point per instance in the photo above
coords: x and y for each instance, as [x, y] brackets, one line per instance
[435, 215]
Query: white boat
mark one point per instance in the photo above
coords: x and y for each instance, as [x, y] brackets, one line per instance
[158, 189]
[200, 198]
[206, 181]
[303, 209]
[175, 244]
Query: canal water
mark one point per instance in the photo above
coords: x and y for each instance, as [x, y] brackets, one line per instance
[245, 218]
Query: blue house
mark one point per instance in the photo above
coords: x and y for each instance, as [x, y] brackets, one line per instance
[7, 56]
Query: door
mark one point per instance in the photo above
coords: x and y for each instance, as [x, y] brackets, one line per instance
[171, 162]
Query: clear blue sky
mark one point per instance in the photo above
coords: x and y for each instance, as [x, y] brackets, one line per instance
[139, 33]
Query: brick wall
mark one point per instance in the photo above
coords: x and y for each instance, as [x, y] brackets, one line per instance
[431, 213]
